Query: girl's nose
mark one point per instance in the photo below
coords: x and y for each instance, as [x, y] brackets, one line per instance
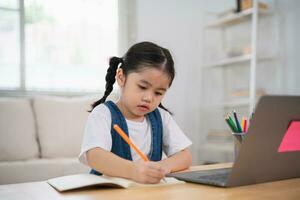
[147, 97]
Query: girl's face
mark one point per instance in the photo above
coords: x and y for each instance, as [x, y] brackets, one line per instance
[141, 92]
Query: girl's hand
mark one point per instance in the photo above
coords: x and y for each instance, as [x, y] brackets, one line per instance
[147, 172]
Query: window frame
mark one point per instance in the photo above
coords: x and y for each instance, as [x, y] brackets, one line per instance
[125, 8]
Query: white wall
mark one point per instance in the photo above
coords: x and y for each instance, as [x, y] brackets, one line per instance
[178, 26]
[291, 50]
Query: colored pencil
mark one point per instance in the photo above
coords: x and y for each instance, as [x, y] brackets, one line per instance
[237, 122]
[231, 124]
[245, 125]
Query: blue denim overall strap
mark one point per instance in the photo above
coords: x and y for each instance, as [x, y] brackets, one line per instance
[121, 148]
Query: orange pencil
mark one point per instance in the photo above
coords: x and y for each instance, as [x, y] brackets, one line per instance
[126, 138]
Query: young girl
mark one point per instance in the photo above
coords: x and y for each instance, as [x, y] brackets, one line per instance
[144, 75]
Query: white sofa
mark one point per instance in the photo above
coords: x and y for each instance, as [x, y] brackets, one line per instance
[40, 137]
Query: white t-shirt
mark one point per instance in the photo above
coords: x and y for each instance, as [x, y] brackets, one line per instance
[98, 134]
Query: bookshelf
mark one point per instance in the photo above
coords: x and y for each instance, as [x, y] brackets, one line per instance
[236, 60]
[239, 55]
[230, 61]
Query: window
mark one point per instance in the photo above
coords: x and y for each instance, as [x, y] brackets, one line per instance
[9, 44]
[67, 44]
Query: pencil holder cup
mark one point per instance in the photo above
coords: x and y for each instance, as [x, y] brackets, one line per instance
[238, 140]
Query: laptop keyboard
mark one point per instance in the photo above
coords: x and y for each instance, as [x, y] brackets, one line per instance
[216, 177]
[222, 177]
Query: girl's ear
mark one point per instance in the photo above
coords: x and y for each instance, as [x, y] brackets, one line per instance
[120, 77]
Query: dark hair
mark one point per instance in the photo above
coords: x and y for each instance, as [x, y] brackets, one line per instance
[138, 57]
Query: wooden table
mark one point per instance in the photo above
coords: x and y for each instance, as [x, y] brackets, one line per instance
[286, 189]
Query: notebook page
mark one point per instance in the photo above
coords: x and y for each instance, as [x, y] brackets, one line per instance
[129, 183]
[81, 180]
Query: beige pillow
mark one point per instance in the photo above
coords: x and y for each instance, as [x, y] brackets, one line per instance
[60, 124]
[17, 130]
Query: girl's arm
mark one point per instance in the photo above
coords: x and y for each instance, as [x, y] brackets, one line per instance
[179, 161]
[113, 165]
[105, 161]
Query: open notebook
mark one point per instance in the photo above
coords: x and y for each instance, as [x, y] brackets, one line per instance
[77, 181]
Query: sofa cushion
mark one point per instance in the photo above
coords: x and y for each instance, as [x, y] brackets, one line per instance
[60, 124]
[39, 170]
[17, 130]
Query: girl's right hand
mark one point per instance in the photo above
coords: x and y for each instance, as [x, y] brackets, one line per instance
[147, 172]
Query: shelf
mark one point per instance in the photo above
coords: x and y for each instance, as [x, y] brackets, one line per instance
[236, 103]
[234, 18]
[238, 54]
[237, 60]
[225, 147]
[216, 152]
[228, 61]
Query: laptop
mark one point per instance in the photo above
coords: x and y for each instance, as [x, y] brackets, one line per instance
[270, 151]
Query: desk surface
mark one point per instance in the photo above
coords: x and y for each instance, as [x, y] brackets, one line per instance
[286, 189]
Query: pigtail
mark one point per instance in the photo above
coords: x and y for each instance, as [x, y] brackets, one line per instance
[110, 79]
[161, 106]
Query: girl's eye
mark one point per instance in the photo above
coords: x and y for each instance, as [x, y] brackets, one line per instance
[158, 93]
[142, 87]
